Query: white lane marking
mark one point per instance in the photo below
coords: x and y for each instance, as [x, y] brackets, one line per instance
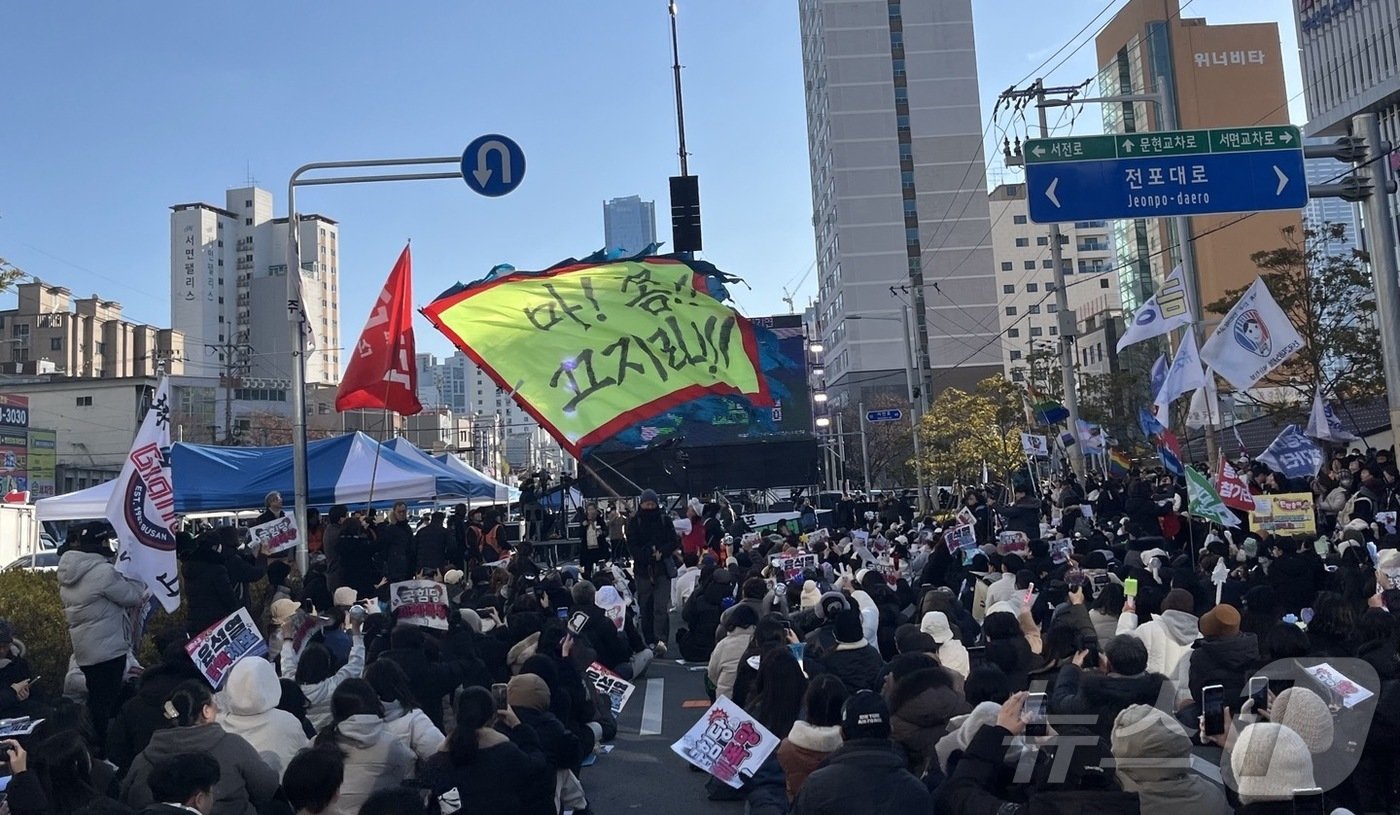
[652, 706]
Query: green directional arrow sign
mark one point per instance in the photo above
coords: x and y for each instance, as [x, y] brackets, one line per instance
[1165, 143]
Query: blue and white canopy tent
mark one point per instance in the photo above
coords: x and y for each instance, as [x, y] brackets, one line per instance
[455, 480]
[349, 469]
[494, 491]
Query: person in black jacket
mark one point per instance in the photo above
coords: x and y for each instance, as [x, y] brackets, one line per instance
[1224, 656]
[1024, 514]
[355, 553]
[702, 614]
[593, 539]
[528, 696]
[241, 569]
[430, 544]
[330, 545]
[1297, 574]
[492, 762]
[855, 661]
[1123, 683]
[652, 543]
[429, 679]
[396, 550]
[209, 593]
[868, 774]
[144, 714]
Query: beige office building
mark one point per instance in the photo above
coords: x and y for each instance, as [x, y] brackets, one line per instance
[48, 332]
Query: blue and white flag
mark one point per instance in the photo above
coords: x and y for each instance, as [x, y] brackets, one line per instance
[1165, 310]
[1184, 375]
[1324, 425]
[142, 506]
[1158, 375]
[1293, 454]
[1253, 339]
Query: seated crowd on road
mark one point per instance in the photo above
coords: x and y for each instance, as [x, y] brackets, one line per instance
[1116, 655]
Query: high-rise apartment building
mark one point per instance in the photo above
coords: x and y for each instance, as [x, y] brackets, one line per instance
[1026, 277]
[629, 224]
[1212, 76]
[1320, 211]
[228, 288]
[1351, 65]
[899, 209]
[48, 332]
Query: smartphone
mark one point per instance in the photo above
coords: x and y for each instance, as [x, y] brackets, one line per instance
[562, 612]
[1130, 587]
[1033, 714]
[1213, 709]
[1074, 578]
[498, 692]
[1259, 692]
[1308, 801]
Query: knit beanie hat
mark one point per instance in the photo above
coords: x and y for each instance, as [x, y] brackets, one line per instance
[344, 596]
[865, 716]
[811, 595]
[1304, 712]
[848, 628]
[1179, 600]
[1221, 621]
[528, 691]
[649, 495]
[832, 603]
[1270, 762]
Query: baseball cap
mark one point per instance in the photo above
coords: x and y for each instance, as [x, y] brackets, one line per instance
[865, 716]
[344, 596]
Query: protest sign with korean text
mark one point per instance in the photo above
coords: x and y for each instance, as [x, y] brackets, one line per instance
[419, 602]
[1289, 513]
[617, 689]
[727, 743]
[791, 567]
[277, 535]
[216, 649]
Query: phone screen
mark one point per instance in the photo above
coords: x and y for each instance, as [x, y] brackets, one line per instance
[1259, 692]
[1034, 714]
[1213, 709]
[498, 691]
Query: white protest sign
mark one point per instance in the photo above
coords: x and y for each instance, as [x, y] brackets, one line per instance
[792, 566]
[277, 535]
[419, 602]
[727, 743]
[1350, 693]
[219, 647]
[617, 689]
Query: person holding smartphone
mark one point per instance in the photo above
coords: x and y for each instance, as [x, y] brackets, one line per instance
[16, 677]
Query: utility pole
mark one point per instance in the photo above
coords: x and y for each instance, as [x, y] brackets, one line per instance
[864, 449]
[1065, 319]
[841, 452]
[915, 413]
[228, 379]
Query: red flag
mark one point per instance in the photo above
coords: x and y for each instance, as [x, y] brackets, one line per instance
[382, 372]
[1233, 489]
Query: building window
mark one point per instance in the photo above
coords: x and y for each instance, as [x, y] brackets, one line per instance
[247, 221]
[1011, 311]
[1008, 289]
[101, 348]
[1054, 330]
[1103, 284]
[1042, 241]
[1013, 332]
[1018, 219]
[84, 401]
[1034, 309]
[1049, 286]
[1052, 308]
[247, 202]
[1023, 242]
[1036, 331]
[1018, 375]
[55, 343]
[1032, 287]
[1007, 265]
[1047, 264]
[1015, 355]
[1029, 264]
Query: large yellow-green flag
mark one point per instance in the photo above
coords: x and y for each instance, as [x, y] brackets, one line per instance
[590, 349]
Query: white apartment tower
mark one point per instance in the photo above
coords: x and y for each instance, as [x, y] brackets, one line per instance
[1026, 277]
[228, 289]
[899, 209]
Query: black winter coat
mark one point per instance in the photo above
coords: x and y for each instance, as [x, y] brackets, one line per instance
[14, 668]
[397, 552]
[863, 777]
[859, 668]
[143, 714]
[1297, 577]
[209, 592]
[429, 680]
[509, 779]
[702, 614]
[358, 570]
[1224, 661]
[430, 545]
[1105, 696]
[647, 533]
[1023, 516]
[560, 747]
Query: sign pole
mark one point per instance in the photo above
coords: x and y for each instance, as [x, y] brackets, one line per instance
[1064, 317]
[1380, 236]
[913, 407]
[864, 449]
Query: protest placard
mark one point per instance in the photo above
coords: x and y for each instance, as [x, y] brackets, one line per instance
[419, 602]
[791, 567]
[23, 726]
[1060, 550]
[216, 649]
[277, 535]
[617, 689]
[1348, 692]
[960, 538]
[1387, 520]
[303, 626]
[965, 516]
[727, 743]
[1011, 542]
[1289, 513]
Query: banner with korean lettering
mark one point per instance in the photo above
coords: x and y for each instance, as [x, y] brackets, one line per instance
[419, 602]
[1293, 454]
[589, 349]
[617, 689]
[1289, 513]
[727, 743]
[1232, 486]
[216, 649]
[790, 567]
[142, 506]
[277, 535]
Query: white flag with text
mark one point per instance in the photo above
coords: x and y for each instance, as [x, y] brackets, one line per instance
[142, 507]
[1167, 309]
[1253, 339]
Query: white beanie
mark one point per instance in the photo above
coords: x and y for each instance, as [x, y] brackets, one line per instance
[1270, 762]
[935, 624]
[811, 595]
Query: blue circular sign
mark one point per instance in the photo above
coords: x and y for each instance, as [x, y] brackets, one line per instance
[493, 165]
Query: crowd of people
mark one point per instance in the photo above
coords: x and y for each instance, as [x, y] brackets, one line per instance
[1067, 646]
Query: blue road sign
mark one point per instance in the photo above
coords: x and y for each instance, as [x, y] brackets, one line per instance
[493, 165]
[1212, 174]
[886, 415]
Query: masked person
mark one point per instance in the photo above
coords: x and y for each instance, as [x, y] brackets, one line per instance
[651, 539]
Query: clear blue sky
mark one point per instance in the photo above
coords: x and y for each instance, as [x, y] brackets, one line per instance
[114, 112]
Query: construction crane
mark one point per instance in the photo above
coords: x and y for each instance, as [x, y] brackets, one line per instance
[788, 294]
